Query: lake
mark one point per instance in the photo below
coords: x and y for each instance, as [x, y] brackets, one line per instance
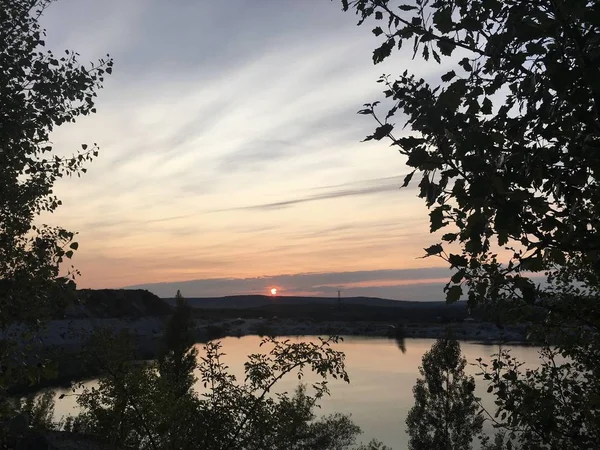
[381, 379]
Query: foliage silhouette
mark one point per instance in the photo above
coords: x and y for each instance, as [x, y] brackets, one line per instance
[39, 91]
[446, 413]
[505, 145]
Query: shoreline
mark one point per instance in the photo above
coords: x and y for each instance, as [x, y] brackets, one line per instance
[483, 332]
[149, 332]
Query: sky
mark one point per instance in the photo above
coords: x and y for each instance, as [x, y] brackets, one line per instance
[230, 156]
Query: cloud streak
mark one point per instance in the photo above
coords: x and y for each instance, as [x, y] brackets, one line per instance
[370, 187]
[230, 146]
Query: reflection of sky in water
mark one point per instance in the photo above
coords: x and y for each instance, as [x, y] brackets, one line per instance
[381, 379]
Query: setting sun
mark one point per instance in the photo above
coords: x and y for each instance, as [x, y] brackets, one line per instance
[273, 291]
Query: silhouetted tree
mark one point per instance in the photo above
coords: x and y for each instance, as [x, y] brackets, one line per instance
[179, 356]
[506, 148]
[39, 91]
[446, 413]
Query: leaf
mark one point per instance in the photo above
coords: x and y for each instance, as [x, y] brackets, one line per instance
[84, 146]
[383, 51]
[407, 7]
[391, 112]
[458, 276]
[407, 178]
[442, 18]
[465, 63]
[448, 76]
[535, 48]
[436, 219]
[450, 237]
[446, 46]
[486, 106]
[453, 294]
[435, 249]
[432, 192]
[457, 260]
[382, 131]
[410, 142]
[74, 245]
[377, 31]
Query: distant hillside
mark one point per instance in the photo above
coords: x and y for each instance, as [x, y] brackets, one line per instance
[138, 303]
[118, 303]
[256, 301]
[324, 309]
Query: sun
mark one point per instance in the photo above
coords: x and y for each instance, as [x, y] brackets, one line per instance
[273, 291]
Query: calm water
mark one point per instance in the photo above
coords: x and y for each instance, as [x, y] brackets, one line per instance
[381, 379]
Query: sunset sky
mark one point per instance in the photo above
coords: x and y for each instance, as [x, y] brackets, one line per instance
[231, 155]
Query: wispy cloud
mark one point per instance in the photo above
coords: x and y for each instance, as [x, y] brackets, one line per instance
[369, 187]
[230, 144]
